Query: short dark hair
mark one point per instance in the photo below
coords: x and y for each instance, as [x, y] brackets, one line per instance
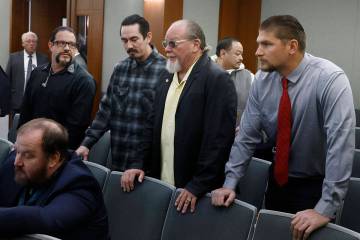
[60, 29]
[225, 44]
[54, 135]
[144, 27]
[286, 27]
[194, 31]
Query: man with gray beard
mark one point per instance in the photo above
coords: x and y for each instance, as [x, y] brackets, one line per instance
[61, 90]
[193, 122]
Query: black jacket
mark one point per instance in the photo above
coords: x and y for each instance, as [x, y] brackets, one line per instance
[66, 97]
[70, 206]
[204, 128]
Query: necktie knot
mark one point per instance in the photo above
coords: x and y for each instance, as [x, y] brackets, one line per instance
[30, 56]
[284, 83]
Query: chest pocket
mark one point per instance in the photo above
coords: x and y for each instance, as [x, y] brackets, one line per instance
[120, 98]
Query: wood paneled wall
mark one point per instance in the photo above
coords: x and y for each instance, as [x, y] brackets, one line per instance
[241, 19]
[160, 14]
[44, 18]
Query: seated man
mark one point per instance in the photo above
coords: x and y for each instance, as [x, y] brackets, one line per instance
[46, 189]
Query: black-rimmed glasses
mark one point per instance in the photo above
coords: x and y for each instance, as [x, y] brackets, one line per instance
[64, 43]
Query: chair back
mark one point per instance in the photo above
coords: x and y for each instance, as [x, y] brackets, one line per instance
[13, 129]
[209, 222]
[34, 237]
[100, 150]
[357, 137]
[252, 186]
[276, 225]
[5, 148]
[139, 214]
[350, 215]
[356, 164]
[101, 173]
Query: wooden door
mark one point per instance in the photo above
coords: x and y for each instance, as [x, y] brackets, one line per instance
[241, 19]
[94, 12]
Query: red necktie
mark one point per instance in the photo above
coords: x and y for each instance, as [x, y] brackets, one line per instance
[283, 137]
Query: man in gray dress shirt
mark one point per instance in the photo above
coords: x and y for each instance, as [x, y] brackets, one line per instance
[322, 128]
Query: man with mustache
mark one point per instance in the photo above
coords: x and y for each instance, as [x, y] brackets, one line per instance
[129, 98]
[61, 90]
[189, 135]
[305, 105]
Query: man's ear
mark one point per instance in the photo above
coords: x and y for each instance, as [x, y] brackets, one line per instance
[50, 45]
[293, 46]
[54, 159]
[149, 37]
[197, 44]
[222, 53]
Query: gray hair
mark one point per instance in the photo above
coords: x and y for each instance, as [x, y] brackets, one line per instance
[194, 31]
[26, 35]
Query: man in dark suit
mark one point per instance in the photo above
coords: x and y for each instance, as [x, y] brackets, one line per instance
[19, 67]
[193, 123]
[46, 189]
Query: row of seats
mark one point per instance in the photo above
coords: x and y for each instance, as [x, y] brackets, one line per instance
[148, 212]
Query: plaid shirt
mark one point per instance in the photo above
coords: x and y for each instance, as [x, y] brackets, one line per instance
[125, 107]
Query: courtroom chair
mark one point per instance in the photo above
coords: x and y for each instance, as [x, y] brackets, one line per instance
[252, 186]
[350, 215]
[356, 164]
[357, 138]
[357, 114]
[209, 222]
[100, 172]
[99, 152]
[13, 129]
[34, 237]
[276, 225]
[5, 148]
[139, 214]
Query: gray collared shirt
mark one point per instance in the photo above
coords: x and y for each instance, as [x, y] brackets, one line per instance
[322, 134]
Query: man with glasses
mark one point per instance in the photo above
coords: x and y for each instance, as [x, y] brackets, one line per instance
[61, 90]
[188, 138]
[19, 67]
[129, 98]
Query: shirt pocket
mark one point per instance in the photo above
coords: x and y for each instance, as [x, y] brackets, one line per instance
[120, 98]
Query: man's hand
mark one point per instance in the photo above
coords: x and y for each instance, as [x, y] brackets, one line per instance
[305, 222]
[185, 199]
[222, 197]
[128, 177]
[83, 151]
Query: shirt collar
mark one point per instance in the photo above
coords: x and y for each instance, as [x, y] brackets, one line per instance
[27, 54]
[295, 75]
[69, 69]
